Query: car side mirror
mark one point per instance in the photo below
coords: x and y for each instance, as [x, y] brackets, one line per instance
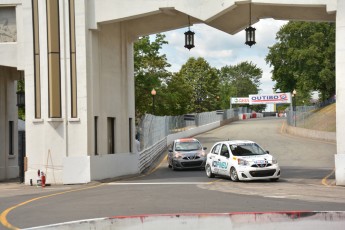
[268, 152]
[204, 148]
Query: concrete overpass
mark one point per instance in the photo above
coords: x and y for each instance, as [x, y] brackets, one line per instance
[77, 58]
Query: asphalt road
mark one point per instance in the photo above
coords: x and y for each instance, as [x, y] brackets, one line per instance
[306, 184]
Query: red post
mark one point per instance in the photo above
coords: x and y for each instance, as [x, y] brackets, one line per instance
[43, 179]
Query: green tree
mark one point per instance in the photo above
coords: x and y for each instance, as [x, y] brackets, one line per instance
[202, 85]
[304, 59]
[177, 96]
[239, 81]
[149, 72]
[21, 110]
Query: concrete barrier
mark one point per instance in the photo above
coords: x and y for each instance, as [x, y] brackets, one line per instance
[230, 221]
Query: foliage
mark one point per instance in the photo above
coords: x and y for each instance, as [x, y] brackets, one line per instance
[178, 97]
[304, 59]
[201, 85]
[239, 81]
[21, 110]
[149, 71]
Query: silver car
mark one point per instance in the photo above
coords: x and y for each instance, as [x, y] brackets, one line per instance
[186, 153]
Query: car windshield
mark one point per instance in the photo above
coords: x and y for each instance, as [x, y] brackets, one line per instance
[246, 149]
[187, 146]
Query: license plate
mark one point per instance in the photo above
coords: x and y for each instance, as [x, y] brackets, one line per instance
[260, 162]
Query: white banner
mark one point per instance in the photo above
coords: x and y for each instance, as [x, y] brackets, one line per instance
[239, 100]
[269, 98]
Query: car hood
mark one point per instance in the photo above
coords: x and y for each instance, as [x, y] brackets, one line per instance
[189, 153]
[266, 157]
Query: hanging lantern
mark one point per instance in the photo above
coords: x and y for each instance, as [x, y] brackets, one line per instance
[250, 36]
[21, 93]
[250, 31]
[189, 37]
[20, 99]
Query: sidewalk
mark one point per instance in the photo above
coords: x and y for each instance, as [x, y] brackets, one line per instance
[11, 188]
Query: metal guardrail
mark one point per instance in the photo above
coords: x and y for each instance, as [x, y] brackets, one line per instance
[152, 128]
[149, 155]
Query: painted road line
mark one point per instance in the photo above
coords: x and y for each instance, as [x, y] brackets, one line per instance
[3, 215]
[324, 180]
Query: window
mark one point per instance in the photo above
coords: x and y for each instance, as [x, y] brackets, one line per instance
[37, 77]
[11, 139]
[111, 135]
[54, 81]
[96, 135]
[225, 151]
[73, 59]
[130, 134]
[216, 149]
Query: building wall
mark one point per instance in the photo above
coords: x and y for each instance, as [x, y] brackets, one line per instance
[8, 112]
[104, 87]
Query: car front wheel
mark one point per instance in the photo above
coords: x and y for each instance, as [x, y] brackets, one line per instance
[233, 174]
[209, 171]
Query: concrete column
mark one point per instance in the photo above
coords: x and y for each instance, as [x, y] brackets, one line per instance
[340, 93]
[8, 112]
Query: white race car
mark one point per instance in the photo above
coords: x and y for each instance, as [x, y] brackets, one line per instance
[241, 160]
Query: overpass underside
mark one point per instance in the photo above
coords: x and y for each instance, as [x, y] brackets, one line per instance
[80, 107]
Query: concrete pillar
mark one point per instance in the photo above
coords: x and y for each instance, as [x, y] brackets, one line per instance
[8, 121]
[340, 93]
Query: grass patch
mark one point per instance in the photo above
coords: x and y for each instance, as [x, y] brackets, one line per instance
[323, 119]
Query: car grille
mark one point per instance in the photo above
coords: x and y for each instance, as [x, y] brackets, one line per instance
[191, 158]
[191, 163]
[262, 173]
[261, 165]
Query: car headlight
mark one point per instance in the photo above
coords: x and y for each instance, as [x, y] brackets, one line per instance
[201, 154]
[274, 161]
[177, 155]
[242, 162]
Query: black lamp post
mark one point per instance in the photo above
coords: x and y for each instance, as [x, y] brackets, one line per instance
[294, 93]
[250, 31]
[153, 93]
[189, 37]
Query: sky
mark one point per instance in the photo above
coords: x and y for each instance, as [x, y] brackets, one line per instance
[219, 48]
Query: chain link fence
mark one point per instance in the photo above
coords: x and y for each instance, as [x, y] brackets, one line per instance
[305, 117]
[152, 129]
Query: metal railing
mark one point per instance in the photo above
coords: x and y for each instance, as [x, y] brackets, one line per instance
[301, 117]
[152, 129]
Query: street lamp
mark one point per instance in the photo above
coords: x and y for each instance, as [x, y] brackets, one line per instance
[250, 31]
[189, 37]
[294, 93]
[153, 93]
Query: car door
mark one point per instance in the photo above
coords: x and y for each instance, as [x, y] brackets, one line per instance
[223, 160]
[212, 158]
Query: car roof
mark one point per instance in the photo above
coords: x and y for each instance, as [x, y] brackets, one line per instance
[186, 140]
[236, 142]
